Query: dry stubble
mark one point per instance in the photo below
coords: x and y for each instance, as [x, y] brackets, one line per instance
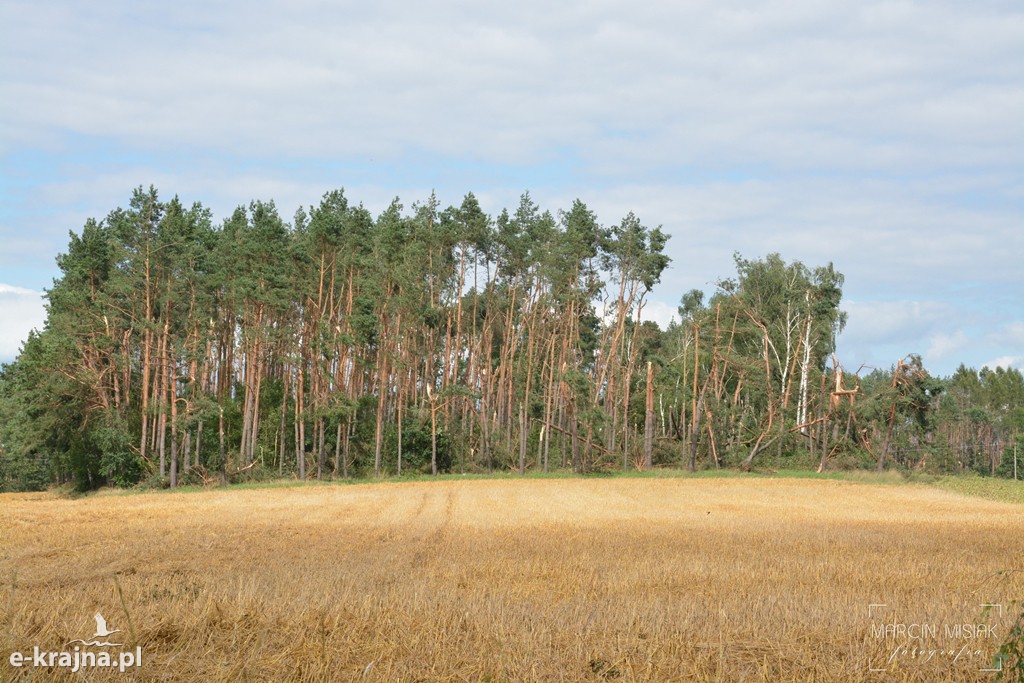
[617, 579]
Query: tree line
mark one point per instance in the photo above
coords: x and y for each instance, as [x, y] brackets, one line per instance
[430, 339]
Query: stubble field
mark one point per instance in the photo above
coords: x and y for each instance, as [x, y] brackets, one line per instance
[518, 580]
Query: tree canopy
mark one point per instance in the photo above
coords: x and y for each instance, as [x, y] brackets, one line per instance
[430, 339]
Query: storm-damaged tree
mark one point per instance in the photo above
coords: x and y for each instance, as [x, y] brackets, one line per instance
[906, 404]
[794, 319]
[635, 256]
[322, 338]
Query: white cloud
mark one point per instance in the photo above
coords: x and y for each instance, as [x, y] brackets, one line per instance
[889, 321]
[944, 345]
[1014, 333]
[880, 332]
[953, 336]
[11, 290]
[881, 136]
[21, 311]
[1005, 362]
[660, 312]
[1007, 336]
[801, 85]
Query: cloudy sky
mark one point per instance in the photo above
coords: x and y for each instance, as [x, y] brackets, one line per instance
[885, 137]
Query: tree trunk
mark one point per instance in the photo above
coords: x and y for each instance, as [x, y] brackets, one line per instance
[888, 439]
[174, 424]
[223, 451]
[199, 440]
[337, 450]
[522, 439]
[433, 440]
[300, 425]
[378, 445]
[649, 424]
[399, 408]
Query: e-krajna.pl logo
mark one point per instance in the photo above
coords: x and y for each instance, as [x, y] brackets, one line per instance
[79, 658]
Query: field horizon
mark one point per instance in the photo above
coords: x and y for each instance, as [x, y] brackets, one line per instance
[618, 578]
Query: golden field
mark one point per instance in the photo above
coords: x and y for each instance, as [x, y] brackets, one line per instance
[734, 579]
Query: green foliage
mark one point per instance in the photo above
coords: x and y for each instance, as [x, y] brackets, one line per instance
[38, 415]
[981, 415]
[118, 464]
[165, 331]
[1009, 660]
[416, 447]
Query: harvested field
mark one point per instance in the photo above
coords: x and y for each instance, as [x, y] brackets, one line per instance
[519, 580]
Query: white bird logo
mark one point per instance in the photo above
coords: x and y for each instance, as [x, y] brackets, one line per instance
[101, 632]
[101, 627]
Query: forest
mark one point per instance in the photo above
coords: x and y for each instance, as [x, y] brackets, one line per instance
[429, 339]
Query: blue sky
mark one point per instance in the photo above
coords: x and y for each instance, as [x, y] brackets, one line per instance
[885, 137]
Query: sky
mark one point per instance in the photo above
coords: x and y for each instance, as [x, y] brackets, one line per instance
[884, 137]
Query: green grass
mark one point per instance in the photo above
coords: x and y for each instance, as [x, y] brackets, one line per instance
[1005, 490]
[861, 476]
